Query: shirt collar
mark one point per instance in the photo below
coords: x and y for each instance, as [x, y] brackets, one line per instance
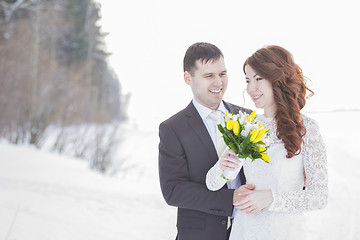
[204, 111]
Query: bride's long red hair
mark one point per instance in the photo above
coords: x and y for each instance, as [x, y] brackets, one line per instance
[277, 65]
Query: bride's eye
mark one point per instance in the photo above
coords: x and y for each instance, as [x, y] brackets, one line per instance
[258, 79]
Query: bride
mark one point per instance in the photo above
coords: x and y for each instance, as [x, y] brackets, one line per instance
[274, 210]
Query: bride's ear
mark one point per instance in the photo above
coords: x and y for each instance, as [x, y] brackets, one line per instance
[187, 78]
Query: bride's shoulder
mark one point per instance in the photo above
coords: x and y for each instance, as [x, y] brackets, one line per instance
[308, 121]
[311, 124]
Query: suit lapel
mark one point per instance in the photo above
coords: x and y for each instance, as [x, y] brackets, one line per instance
[197, 124]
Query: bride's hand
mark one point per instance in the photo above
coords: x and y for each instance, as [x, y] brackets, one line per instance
[228, 161]
[255, 201]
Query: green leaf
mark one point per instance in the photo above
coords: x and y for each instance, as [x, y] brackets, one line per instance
[221, 129]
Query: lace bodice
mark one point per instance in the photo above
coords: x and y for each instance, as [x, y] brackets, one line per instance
[287, 196]
[285, 177]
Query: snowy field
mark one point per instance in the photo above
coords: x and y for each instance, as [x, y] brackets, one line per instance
[47, 196]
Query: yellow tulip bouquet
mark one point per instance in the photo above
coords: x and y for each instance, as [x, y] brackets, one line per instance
[243, 134]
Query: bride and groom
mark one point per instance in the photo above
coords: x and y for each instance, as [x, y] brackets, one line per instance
[265, 201]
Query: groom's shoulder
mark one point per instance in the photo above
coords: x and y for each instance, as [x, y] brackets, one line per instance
[179, 116]
[233, 108]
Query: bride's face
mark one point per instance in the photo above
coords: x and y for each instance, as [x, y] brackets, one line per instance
[261, 92]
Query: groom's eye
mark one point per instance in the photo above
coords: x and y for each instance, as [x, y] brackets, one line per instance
[223, 74]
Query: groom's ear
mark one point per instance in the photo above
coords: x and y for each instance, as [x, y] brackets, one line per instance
[187, 78]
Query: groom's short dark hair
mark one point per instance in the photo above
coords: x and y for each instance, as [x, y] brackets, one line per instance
[202, 51]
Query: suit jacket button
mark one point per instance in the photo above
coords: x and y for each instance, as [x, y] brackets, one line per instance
[223, 222]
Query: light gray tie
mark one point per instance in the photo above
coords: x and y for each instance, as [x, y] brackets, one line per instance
[220, 144]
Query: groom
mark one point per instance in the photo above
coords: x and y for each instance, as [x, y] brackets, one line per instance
[187, 150]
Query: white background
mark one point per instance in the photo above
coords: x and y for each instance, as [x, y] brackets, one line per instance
[148, 40]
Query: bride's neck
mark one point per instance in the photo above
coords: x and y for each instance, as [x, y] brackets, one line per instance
[269, 114]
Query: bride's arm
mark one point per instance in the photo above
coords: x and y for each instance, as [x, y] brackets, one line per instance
[315, 195]
[214, 180]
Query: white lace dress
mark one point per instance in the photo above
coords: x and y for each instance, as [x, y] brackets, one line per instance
[283, 219]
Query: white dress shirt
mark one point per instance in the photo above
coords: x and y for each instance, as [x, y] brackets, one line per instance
[210, 125]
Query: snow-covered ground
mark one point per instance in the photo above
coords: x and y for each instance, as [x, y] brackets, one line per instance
[47, 196]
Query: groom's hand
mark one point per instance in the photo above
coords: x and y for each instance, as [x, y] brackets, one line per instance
[255, 201]
[241, 191]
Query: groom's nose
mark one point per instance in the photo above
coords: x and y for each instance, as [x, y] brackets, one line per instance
[217, 81]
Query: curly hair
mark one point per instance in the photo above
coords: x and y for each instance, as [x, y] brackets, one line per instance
[277, 65]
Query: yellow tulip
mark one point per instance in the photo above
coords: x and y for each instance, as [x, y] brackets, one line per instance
[261, 148]
[248, 119]
[236, 128]
[230, 124]
[252, 115]
[260, 125]
[259, 135]
[253, 135]
[265, 157]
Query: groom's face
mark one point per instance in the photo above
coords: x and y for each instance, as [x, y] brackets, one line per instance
[208, 82]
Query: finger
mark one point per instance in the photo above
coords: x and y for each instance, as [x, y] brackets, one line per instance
[244, 207]
[242, 201]
[228, 163]
[232, 165]
[249, 186]
[253, 210]
[230, 152]
[228, 166]
[234, 160]
[244, 192]
[227, 152]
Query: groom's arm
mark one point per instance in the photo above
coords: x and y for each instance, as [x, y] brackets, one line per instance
[177, 185]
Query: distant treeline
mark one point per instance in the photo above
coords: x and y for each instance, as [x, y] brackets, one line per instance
[53, 69]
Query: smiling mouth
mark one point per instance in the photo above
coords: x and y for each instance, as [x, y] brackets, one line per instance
[216, 91]
[257, 97]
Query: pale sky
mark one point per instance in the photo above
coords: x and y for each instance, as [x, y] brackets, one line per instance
[148, 40]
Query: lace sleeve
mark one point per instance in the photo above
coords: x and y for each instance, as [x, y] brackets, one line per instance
[214, 181]
[315, 195]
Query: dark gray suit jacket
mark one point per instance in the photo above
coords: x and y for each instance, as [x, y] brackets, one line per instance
[186, 153]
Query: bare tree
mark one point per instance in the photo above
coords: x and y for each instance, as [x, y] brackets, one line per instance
[54, 72]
